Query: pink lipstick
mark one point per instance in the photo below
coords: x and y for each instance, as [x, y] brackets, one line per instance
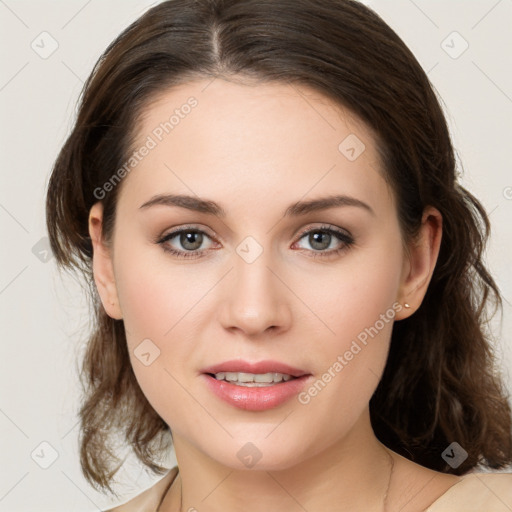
[256, 386]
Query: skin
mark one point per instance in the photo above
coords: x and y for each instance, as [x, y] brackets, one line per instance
[256, 149]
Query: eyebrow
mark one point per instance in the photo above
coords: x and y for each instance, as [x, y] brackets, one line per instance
[294, 210]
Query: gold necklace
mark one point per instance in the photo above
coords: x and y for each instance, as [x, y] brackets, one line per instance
[389, 482]
[385, 496]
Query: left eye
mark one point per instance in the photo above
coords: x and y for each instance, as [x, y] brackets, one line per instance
[320, 239]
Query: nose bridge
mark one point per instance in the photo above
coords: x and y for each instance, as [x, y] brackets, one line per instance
[253, 279]
[256, 298]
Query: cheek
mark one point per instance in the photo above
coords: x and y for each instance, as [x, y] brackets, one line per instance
[154, 304]
[153, 298]
[359, 308]
[365, 288]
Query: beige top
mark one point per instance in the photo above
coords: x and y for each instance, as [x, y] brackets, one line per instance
[474, 492]
[477, 492]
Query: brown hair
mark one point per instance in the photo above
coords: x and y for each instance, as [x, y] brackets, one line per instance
[439, 383]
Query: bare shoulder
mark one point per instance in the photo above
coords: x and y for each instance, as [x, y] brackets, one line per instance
[148, 500]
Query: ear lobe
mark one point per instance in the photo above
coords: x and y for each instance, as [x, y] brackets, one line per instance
[102, 265]
[420, 263]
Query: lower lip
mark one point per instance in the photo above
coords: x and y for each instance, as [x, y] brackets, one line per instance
[256, 398]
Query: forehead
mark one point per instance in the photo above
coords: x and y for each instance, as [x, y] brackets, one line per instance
[209, 137]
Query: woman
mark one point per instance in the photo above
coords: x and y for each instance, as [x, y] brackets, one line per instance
[287, 278]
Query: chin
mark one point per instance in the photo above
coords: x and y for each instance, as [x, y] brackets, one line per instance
[259, 454]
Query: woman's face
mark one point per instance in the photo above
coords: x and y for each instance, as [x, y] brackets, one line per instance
[261, 282]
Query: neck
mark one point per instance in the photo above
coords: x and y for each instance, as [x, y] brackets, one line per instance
[353, 473]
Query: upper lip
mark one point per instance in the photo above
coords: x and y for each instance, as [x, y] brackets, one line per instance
[268, 366]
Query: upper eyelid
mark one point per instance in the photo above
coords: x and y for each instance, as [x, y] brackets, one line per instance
[324, 227]
[179, 229]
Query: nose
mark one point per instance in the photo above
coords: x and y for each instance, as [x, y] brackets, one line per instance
[256, 300]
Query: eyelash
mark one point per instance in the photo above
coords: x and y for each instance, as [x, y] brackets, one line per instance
[343, 237]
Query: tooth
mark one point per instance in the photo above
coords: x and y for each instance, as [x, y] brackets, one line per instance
[251, 379]
[264, 377]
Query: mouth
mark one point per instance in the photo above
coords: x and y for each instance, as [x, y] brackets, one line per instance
[255, 386]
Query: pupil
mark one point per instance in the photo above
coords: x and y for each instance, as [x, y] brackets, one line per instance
[188, 238]
[315, 240]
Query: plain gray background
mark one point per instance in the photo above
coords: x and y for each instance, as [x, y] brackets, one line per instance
[44, 315]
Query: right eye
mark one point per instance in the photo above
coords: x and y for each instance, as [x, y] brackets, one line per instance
[190, 239]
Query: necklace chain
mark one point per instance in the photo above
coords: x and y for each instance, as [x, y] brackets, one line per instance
[389, 482]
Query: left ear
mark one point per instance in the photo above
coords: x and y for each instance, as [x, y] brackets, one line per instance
[419, 264]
